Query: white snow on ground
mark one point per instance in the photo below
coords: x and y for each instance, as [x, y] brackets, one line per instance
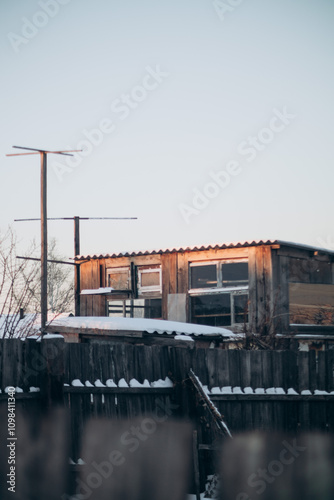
[193, 497]
[34, 389]
[88, 384]
[248, 390]
[306, 393]
[142, 325]
[292, 392]
[18, 389]
[320, 393]
[123, 383]
[279, 390]
[259, 390]
[162, 383]
[77, 383]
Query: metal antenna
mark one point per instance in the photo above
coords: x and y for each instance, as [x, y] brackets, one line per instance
[77, 220]
[44, 238]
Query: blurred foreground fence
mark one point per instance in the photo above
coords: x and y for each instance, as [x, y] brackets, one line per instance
[142, 459]
[90, 382]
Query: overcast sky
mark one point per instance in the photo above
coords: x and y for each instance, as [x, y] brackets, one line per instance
[210, 121]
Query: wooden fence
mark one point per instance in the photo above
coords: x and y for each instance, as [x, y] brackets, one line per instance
[122, 463]
[44, 375]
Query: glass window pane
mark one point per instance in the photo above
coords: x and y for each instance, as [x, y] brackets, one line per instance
[235, 274]
[204, 276]
[214, 310]
[153, 308]
[119, 280]
[137, 308]
[241, 308]
[151, 278]
[311, 304]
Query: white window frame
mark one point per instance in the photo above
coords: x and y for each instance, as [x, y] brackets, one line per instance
[153, 288]
[119, 270]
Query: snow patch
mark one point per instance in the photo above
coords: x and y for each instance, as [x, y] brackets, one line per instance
[183, 337]
[77, 383]
[237, 390]
[110, 383]
[162, 383]
[292, 392]
[98, 383]
[123, 383]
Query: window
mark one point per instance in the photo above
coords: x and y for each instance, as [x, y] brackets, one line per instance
[219, 292]
[234, 273]
[310, 271]
[311, 304]
[219, 274]
[136, 308]
[149, 279]
[219, 309]
[119, 278]
[203, 276]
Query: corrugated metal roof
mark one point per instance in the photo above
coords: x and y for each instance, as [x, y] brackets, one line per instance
[198, 248]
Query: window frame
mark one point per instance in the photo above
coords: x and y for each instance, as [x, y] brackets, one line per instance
[118, 270]
[219, 266]
[232, 291]
[148, 289]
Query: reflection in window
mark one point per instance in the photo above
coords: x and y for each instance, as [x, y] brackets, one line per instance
[309, 271]
[311, 304]
[204, 276]
[212, 310]
[221, 309]
[219, 275]
[235, 274]
[240, 308]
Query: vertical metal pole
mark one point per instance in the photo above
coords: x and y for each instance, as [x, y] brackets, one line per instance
[44, 245]
[77, 267]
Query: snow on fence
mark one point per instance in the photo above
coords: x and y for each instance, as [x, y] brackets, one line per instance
[264, 390]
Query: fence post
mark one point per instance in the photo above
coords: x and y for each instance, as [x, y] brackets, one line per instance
[52, 380]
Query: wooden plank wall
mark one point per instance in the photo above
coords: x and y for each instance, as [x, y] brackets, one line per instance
[90, 273]
[260, 289]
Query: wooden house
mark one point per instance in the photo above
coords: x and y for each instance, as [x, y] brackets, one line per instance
[259, 286]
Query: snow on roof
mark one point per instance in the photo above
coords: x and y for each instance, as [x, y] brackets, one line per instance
[196, 248]
[11, 326]
[141, 325]
[97, 291]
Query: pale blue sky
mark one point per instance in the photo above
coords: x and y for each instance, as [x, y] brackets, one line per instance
[226, 76]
